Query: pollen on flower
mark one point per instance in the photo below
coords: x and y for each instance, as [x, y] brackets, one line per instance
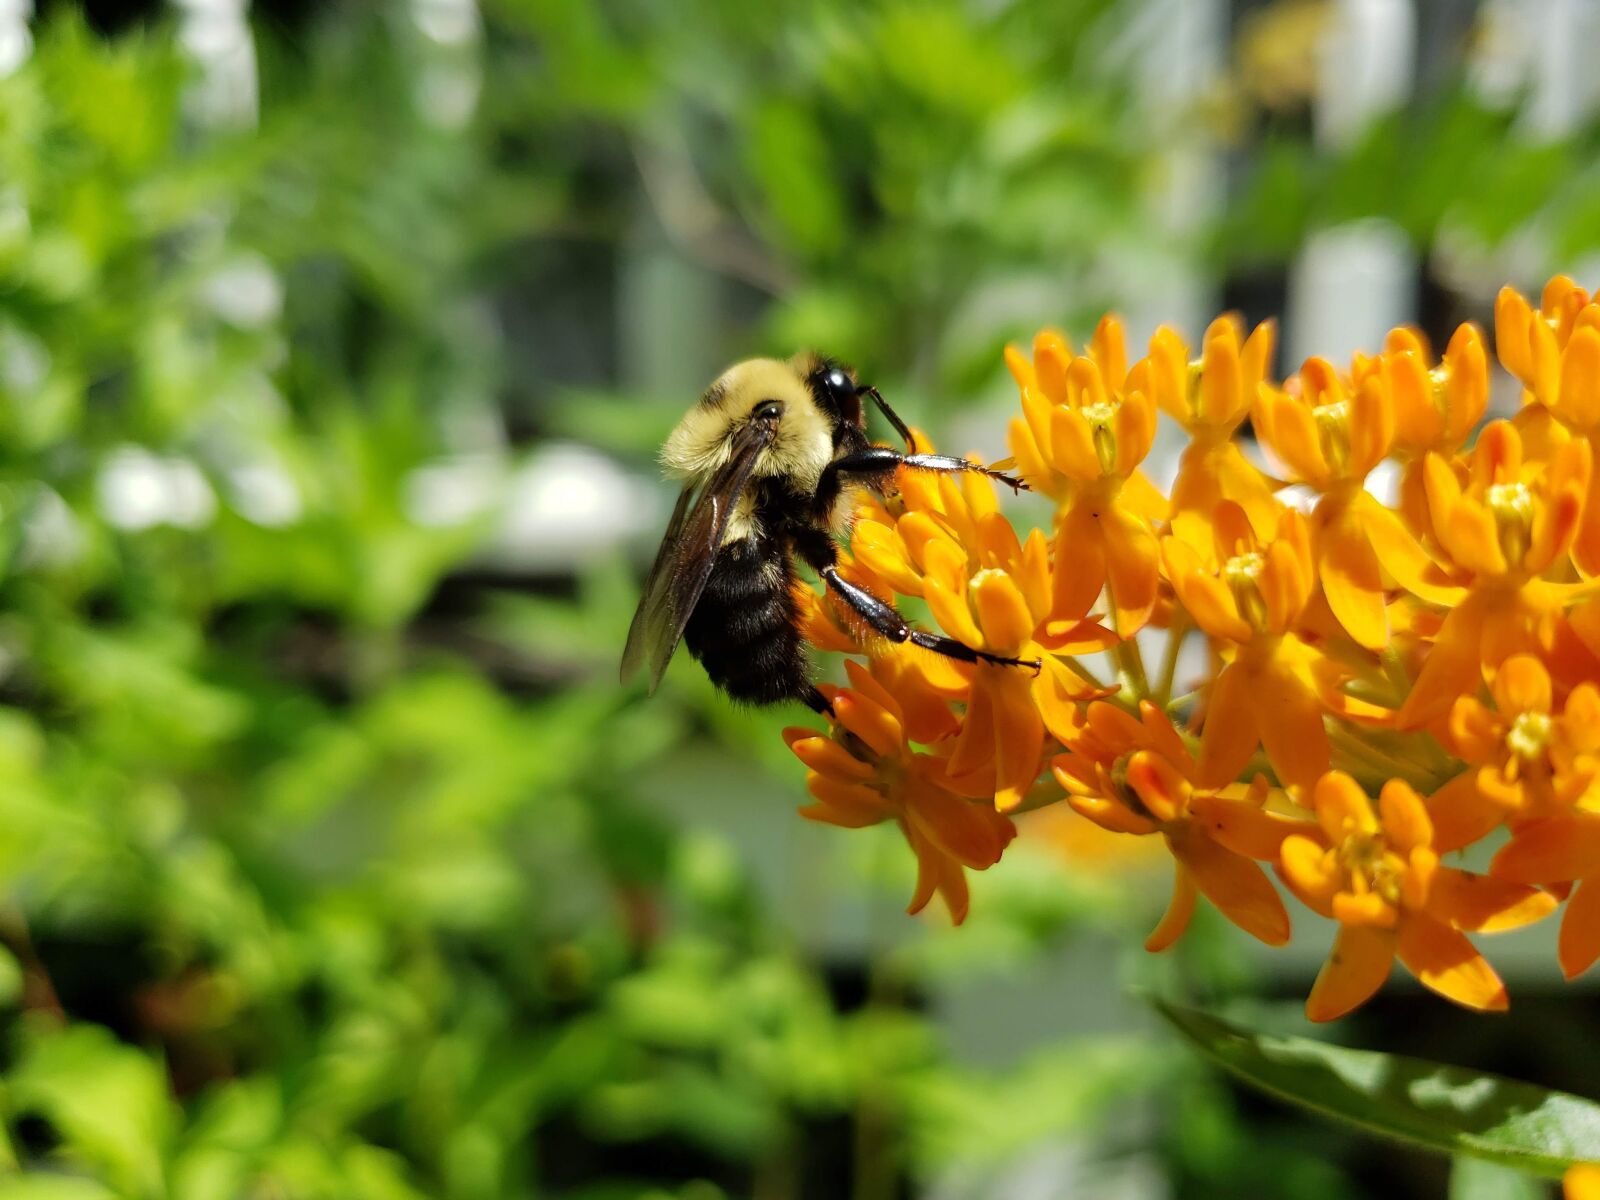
[1386, 683]
[1530, 734]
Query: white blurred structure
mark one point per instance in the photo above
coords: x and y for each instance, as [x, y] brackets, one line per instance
[216, 35]
[16, 43]
[1354, 283]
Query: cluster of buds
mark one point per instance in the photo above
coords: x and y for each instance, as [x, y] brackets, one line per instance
[1388, 680]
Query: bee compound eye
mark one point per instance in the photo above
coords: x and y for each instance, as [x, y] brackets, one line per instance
[769, 410]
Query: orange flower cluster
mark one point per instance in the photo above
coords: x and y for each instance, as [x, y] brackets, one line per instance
[1352, 684]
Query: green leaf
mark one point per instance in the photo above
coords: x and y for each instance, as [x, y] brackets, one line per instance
[1448, 1109]
[1474, 1179]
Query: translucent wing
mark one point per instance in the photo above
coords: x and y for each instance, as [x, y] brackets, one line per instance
[688, 551]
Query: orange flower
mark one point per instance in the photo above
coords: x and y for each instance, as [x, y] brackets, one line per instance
[1581, 1182]
[1531, 761]
[1135, 776]
[952, 547]
[1247, 596]
[1559, 850]
[872, 775]
[1556, 354]
[1331, 434]
[1510, 521]
[1086, 427]
[1209, 398]
[1434, 409]
[1378, 875]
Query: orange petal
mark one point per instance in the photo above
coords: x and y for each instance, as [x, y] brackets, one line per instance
[1579, 944]
[1229, 736]
[1160, 785]
[1483, 904]
[1364, 908]
[1581, 1182]
[1447, 963]
[1580, 380]
[1511, 317]
[1236, 885]
[950, 609]
[1558, 849]
[1019, 733]
[1288, 716]
[1352, 580]
[1522, 685]
[821, 753]
[1405, 817]
[972, 834]
[1110, 815]
[1404, 558]
[1002, 612]
[1451, 668]
[1243, 827]
[1343, 809]
[1072, 444]
[1371, 426]
[870, 722]
[1461, 814]
[1311, 871]
[1132, 569]
[1179, 909]
[1222, 391]
[1355, 970]
[1079, 564]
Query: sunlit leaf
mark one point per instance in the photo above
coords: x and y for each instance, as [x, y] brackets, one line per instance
[1447, 1109]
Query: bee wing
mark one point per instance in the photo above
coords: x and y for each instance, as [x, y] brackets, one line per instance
[688, 551]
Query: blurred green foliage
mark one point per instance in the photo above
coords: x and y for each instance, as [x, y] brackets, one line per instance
[308, 890]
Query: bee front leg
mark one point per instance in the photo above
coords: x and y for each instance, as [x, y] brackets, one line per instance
[879, 461]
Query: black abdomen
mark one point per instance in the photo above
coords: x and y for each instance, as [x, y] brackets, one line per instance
[743, 629]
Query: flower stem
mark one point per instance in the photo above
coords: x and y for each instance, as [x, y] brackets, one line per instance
[1169, 658]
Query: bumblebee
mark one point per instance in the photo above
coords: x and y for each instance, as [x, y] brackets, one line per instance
[769, 459]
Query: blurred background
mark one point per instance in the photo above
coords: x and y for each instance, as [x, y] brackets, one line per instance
[336, 340]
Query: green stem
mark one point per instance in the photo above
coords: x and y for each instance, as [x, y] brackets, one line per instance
[1169, 658]
[1081, 671]
[1130, 668]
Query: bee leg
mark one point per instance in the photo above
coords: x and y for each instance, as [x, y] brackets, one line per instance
[885, 621]
[932, 462]
[883, 618]
[948, 462]
[818, 703]
[879, 461]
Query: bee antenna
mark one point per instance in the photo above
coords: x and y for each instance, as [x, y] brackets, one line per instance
[893, 417]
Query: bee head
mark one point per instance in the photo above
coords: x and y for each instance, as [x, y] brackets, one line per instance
[833, 385]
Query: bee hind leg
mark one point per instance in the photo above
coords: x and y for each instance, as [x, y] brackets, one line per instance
[888, 623]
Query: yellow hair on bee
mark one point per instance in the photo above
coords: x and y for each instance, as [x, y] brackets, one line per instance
[802, 447]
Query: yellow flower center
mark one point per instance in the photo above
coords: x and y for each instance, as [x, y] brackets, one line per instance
[1511, 505]
[1100, 415]
[1333, 431]
[1241, 573]
[1529, 734]
[1372, 866]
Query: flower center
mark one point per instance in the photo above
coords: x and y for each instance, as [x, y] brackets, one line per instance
[1529, 734]
[1372, 866]
[1511, 504]
[1100, 414]
[1241, 573]
[1333, 431]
